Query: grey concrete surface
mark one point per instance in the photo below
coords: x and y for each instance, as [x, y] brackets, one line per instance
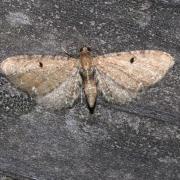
[134, 142]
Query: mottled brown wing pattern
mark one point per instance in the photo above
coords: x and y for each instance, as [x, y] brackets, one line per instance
[38, 74]
[122, 75]
[42, 75]
[64, 95]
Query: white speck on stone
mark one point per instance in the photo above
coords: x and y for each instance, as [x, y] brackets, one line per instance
[168, 160]
[92, 23]
[91, 10]
[57, 16]
[134, 123]
[144, 20]
[146, 5]
[56, 6]
[108, 2]
[18, 18]
[102, 41]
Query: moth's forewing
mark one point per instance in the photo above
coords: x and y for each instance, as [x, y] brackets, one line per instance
[130, 72]
[37, 74]
[41, 75]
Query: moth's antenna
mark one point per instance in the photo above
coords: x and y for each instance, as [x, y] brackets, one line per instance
[77, 41]
[66, 52]
[81, 39]
[64, 47]
[84, 41]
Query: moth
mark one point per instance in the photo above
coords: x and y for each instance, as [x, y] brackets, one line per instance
[56, 81]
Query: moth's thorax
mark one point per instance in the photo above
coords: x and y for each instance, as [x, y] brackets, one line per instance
[86, 59]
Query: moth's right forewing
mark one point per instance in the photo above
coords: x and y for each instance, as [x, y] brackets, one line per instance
[135, 69]
[38, 74]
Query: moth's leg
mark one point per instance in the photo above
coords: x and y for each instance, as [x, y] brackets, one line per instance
[81, 95]
[80, 85]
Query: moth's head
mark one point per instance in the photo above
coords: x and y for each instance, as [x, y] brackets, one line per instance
[85, 50]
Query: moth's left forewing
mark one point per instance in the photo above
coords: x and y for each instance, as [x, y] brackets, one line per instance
[135, 69]
[131, 71]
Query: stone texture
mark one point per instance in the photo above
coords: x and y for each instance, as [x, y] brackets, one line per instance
[133, 142]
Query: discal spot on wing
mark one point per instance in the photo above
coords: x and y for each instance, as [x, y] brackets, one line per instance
[38, 74]
[136, 69]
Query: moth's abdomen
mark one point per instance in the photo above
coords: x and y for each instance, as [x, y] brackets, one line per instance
[90, 90]
[89, 83]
